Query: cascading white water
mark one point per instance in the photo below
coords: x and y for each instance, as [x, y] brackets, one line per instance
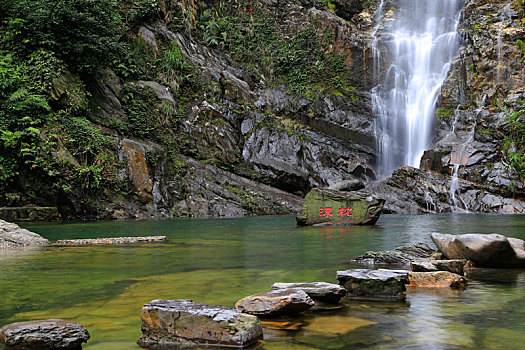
[421, 47]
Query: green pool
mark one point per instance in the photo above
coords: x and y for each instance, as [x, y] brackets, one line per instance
[219, 261]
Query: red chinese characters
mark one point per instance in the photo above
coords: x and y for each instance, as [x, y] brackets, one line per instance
[345, 212]
[326, 212]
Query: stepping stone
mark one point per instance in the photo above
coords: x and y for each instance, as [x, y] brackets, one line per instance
[319, 291]
[276, 303]
[454, 266]
[181, 323]
[43, 334]
[363, 283]
[437, 279]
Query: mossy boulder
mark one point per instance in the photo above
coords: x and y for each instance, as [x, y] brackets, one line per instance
[330, 207]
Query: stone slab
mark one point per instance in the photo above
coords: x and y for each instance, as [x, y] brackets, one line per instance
[318, 291]
[184, 323]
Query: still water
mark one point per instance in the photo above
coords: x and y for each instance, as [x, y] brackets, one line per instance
[219, 261]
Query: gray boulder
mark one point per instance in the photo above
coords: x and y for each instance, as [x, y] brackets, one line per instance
[318, 291]
[364, 283]
[11, 235]
[400, 255]
[43, 335]
[276, 303]
[184, 323]
[348, 185]
[490, 250]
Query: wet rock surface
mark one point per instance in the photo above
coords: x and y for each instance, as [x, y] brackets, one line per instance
[276, 303]
[415, 191]
[184, 323]
[436, 279]
[329, 207]
[455, 266]
[362, 283]
[490, 250]
[219, 193]
[43, 335]
[318, 291]
[400, 255]
[11, 235]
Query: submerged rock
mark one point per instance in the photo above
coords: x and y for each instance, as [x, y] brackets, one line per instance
[329, 207]
[113, 240]
[11, 235]
[490, 250]
[455, 266]
[172, 323]
[43, 335]
[276, 303]
[374, 283]
[436, 279]
[318, 291]
[400, 255]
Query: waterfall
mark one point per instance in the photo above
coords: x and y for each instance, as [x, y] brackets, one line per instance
[455, 188]
[421, 45]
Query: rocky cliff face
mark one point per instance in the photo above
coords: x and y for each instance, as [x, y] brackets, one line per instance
[230, 138]
[200, 122]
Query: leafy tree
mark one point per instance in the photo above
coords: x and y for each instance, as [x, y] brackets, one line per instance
[84, 33]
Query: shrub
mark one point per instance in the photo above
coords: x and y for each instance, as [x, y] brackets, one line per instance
[84, 33]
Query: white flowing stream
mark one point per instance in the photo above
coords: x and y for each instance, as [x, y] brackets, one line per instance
[420, 47]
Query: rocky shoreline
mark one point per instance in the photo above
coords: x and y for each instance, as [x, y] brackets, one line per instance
[12, 236]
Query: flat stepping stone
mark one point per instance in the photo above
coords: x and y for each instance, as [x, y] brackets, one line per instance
[43, 334]
[363, 283]
[276, 303]
[319, 291]
[437, 279]
[181, 323]
[112, 240]
[455, 266]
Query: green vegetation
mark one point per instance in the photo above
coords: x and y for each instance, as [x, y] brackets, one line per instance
[521, 49]
[303, 62]
[444, 113]
[50, 50]
[514, 143]
[83, 33]
[519, 5]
